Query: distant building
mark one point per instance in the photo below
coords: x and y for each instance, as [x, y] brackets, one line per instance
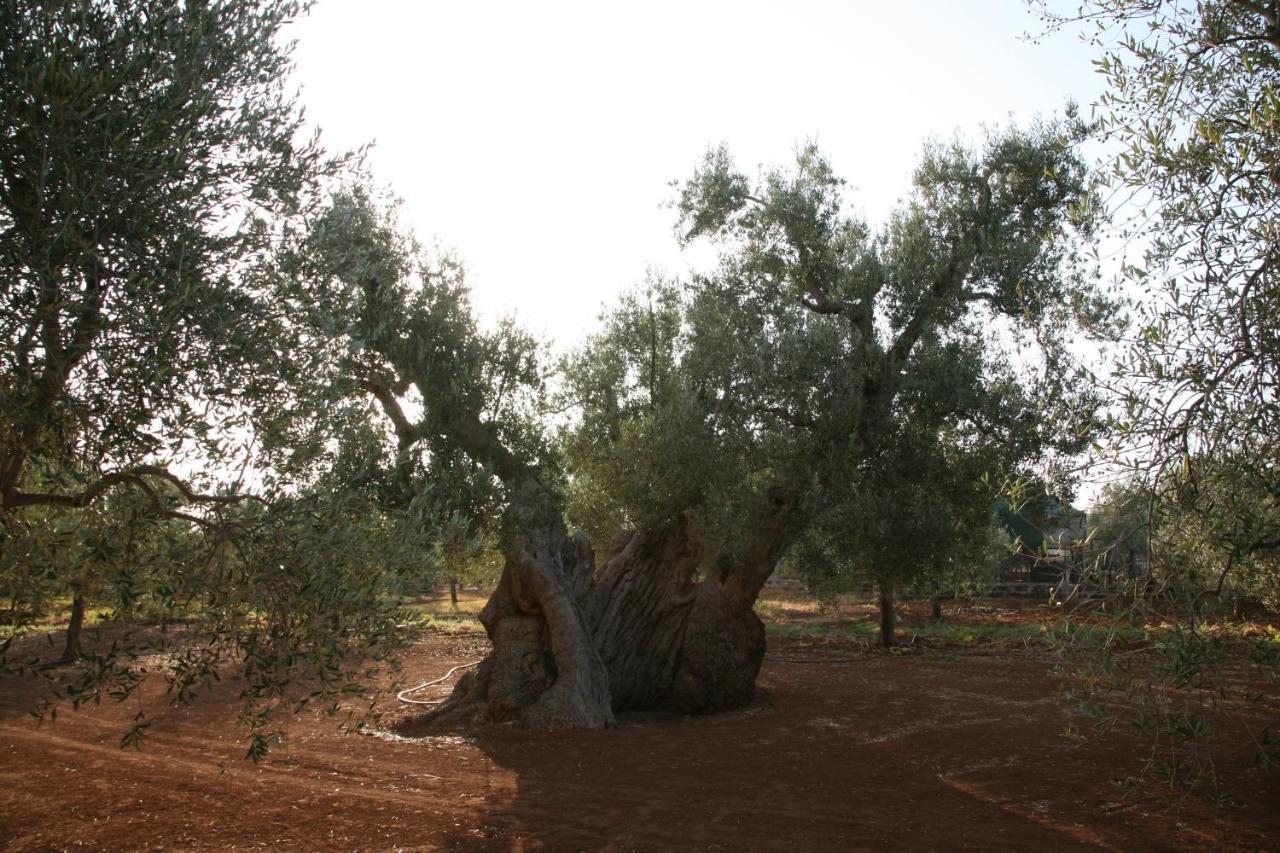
[1049, 534]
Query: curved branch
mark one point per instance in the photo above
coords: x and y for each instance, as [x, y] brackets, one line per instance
[132, 476]
[406, 433]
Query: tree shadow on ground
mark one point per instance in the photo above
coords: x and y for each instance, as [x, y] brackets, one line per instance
[887, 754]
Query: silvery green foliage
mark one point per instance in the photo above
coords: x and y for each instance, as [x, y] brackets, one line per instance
[859, 368]
[1193, 106]
[387, 337]
[149, 150]
[151, 158]
[1193, 110]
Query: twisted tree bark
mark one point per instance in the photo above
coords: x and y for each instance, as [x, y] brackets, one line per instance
[572, 645]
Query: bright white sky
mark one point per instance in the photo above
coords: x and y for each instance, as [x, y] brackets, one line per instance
[539, 139]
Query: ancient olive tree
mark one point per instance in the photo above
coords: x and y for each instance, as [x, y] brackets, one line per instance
[718, 419]
[832, 394]
[458, 403]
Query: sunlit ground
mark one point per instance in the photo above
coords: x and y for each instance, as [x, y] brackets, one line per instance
[793, 613]
[438, 612]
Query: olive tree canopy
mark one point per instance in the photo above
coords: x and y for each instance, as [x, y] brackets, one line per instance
[149, 150]
[1193, 106]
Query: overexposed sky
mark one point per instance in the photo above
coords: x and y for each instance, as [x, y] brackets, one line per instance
[539, 139]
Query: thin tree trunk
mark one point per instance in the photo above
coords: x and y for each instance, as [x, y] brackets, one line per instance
[71, 650]
[888, 617]
[453, 591]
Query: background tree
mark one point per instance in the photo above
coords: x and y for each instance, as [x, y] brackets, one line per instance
[468, 553]
[920, 525]
[1119, 527]
[151, 158]
[391, 324]
[148, 147]
[1192, 105]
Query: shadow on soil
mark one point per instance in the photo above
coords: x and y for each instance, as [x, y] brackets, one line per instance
[888, 753]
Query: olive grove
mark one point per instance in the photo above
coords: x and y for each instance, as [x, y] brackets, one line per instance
[240, 400]
[720, 419]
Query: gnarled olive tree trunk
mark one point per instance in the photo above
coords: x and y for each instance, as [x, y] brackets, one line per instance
[573, 644]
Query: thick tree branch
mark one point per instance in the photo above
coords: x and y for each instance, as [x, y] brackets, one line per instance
[819, 303]
[1270, 14]
[480, 441]
[815, 296]
[406, 433]
[919, 321]
[773, 525]
[132, 476]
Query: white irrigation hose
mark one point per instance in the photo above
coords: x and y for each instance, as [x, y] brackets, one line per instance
[403, 694]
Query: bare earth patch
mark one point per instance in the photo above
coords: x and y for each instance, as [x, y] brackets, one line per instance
[862, 750]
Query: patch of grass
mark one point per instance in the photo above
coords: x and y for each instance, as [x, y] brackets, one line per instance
[430, 612]
[1241, 631]
[443, 625]
[56, 615]
[999, 623]
[948, 634]
[931, 638]
[438, 614]
[824, 628]
[1089, 635]
[470, 603]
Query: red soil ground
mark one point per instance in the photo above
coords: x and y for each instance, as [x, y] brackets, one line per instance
[888, 752]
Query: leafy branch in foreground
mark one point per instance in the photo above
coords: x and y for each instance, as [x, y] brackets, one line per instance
[1192, 107]
[289, 601]
[152, 158]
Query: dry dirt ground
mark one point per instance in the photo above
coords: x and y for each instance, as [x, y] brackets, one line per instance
[863, 750]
